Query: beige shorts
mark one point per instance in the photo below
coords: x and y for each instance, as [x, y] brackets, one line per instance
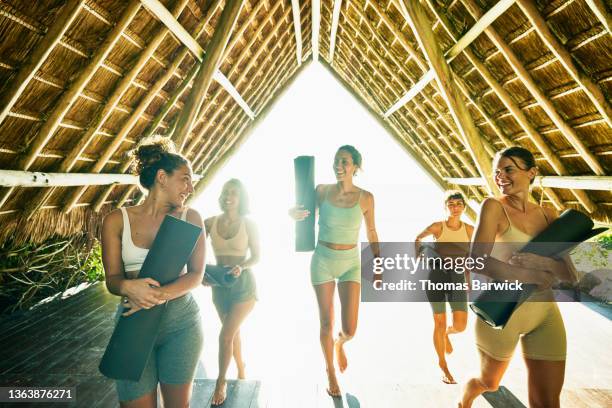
[539, 327]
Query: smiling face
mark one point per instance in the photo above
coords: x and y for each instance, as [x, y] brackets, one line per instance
[177, 185]
[343, 165]
[230, 197]
[512, 175]
[455, 207]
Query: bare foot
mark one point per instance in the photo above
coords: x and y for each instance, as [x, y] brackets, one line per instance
[241, 372]
[447, 377]
[219, 394]
[449, 345]
[340, 355]
[333, 390]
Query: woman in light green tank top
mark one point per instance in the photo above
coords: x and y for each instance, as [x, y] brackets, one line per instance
[505, 221]
[341, 207]
[450, 231]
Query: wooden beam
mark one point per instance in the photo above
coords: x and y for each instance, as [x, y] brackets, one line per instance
[600, 183]
[538, 94]
[454, 51]
[421, 26]
[19, 178]
[589, 87]
[316, 26]
[334, 28]
[297, 25]
[210, 64]
[68, 98]
[601, 12]
[38, 56]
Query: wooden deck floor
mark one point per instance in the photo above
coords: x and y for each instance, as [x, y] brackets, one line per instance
[61, 343]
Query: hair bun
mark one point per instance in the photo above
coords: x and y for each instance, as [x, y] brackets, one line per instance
[150, 151]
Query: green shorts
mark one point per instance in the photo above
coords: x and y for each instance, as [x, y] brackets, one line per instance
[456, 298]
[243, 290]
[176, 352]
[329, 264]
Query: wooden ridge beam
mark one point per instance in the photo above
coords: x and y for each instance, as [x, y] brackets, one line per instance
[422, 30]
[210, 64]
[591, 89]
[600, 183]
[297, 25]
[38, 56]
[316, 26]
[568, 132]
[481, 24]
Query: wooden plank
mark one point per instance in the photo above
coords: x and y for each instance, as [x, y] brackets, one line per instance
[210, 64]
[421, 27]
[602, 183]
[38, 56]
[316, 26]
[334, 29]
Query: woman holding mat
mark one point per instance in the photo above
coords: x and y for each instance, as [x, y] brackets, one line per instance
[232, 235]
[127, 234]
[337, 255]
[452, 238]
[505, 224]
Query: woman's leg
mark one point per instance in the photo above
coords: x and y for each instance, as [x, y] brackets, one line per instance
[176, 395]
[440, 341]
[325, 300]
[146, 401]
[458, 325]
[231, 324]
[237, 346]
[545, 380]
[349, 301]
[491, 373]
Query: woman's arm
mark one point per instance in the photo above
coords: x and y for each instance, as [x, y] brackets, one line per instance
[368, 216]
[298, 213]
[434, 229]
[195, 266]
[142, 292]
[253, 258]
[482, 244]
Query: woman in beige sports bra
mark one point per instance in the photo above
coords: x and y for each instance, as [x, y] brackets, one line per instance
[448, 233]
[232, 236]
[505, 224]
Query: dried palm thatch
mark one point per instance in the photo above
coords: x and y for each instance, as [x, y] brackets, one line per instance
[86, 79]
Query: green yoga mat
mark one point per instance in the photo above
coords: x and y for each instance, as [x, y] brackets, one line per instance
[218, 276]
[305, 195]
[134, 336]
[571, 228]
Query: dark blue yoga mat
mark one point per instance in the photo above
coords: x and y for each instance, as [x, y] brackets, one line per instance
[134, 336]
[305, 195]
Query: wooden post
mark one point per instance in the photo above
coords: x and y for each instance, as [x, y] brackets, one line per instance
[425, 36]
[38, 56]
[210, 63]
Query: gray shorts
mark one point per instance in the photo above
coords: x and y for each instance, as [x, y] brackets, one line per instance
[176, 351]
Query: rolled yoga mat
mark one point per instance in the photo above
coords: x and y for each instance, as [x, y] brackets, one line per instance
[219, 276]
[134, 336]
[571, 228]
[305, 195]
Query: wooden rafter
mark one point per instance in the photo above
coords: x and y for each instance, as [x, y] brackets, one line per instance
[297, 25]
[68, 98]
[520, 117]
[590, 88]
[210, 64]
[334, 28]
[599, 9]
[601, 183]
[568, 132]
[477, 29]
[316, 25]
[38, 56]
[422, 30]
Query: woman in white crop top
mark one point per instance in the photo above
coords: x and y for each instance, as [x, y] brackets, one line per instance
[504, 225]
[235, 243]
[449, 234]
[126, 236]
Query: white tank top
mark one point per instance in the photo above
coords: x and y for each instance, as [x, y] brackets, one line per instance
[133, 256]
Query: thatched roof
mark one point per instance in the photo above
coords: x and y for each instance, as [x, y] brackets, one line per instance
[85, 80]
